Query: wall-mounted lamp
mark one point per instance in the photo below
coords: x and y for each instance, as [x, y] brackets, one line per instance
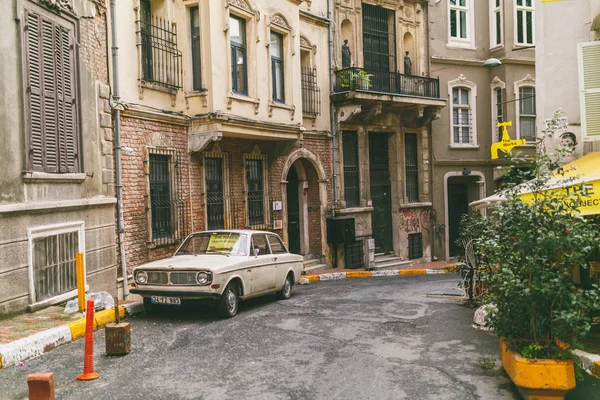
[466, 172]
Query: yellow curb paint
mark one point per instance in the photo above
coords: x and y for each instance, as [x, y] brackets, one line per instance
[412, 272]
[450, 268]
[595, 368]
[313, 278]
[359, 274]
[101, 318]
[0, 361]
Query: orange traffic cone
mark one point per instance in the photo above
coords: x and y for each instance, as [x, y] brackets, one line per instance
[88, 358]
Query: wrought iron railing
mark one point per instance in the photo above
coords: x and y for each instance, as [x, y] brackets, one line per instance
[360, 79]
[161, 59]
[311, 94]
[353, 254]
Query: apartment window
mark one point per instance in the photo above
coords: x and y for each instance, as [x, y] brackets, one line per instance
[160, 57]
[461, 115]
[277, 71]
[195, 39]
[256, 195]
[459, 19]
[168, 208]
[351, 174]
[53, 251]
[412, 167]
[525, 21]
[498, 106]
[415, 245]
[311, 94]
[496, 23]
[52, 129]
[239, 69]
[527, 113]
[215, 205]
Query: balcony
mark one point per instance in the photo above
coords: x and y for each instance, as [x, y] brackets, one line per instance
[387, 83]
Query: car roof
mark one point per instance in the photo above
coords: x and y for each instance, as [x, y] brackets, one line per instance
[240, 231]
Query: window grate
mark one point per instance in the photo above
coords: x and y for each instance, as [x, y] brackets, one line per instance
[415, 245]
[54, 264]
[215, 205]
[412, 167]
[256, 198]
[379, 38]
[161, 60]
[353, 255]
[351, 170]
[311, 94]
[168, 208]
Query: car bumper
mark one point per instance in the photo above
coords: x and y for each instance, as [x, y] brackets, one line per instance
[181, 294]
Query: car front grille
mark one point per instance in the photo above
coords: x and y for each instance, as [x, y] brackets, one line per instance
[183, 278]
[157, 278]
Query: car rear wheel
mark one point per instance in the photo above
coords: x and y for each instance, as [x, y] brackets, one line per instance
[286, 290]
[229, 301]
[149, 307]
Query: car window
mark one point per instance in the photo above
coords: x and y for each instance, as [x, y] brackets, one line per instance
[225, 243]
[276, 244]
[260, 242]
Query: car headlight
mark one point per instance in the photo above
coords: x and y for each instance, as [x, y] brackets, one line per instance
[141, 277]
[203, 278]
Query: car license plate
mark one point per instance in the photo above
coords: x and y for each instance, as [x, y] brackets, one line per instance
[173, 301]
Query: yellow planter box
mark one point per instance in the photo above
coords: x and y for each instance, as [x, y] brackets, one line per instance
[539, 379]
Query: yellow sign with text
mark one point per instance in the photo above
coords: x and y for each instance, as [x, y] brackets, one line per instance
[588, 192]
[506, 144]
[222, 243]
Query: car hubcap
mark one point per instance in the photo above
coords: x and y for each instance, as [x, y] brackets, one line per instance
[231, 300]
[287, 287]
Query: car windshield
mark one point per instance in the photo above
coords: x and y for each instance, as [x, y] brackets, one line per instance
[225, 243]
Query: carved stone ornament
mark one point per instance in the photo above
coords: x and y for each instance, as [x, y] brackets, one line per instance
[58, 5]
[198, 141]
[159, 139]
[408, 12]
[280, 21]
[304, 42]
[241, 4]
[528, 79]
[496, 80]
[462, 78]
[348, 111]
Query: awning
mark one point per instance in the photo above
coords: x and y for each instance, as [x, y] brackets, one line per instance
[583, 173]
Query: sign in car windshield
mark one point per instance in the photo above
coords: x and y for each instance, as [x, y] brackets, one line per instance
[222, 243]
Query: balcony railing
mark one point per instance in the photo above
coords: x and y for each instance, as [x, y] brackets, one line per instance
[360, 79]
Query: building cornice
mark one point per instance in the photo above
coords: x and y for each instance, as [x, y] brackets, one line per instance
[311, 18]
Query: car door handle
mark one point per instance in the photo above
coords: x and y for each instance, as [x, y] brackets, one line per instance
[274, 258]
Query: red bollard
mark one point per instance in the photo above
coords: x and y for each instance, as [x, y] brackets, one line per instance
[88, 358]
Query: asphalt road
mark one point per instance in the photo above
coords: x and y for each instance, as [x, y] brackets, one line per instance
[378, 338]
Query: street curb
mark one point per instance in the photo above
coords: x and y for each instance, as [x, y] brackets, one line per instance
[306, 279]
[16, 352]
[590, 362]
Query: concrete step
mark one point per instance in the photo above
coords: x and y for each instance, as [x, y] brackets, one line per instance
[310, 262]
[385, 258]
[392, 264]
[313, 267]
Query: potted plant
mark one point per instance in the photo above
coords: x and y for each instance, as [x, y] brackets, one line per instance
[354, 78]
[539, 311]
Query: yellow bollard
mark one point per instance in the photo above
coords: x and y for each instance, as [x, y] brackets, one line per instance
[80, 281]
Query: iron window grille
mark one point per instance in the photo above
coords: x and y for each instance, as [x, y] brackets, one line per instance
[239, 71]
[353, 254]
[461, 115]
[379, 38]
[161, 60]
[499, 113]
[53, 260]
[195, 40]
[415, 245]
[215, 200]
[412, 167]
[51, 79]
[256, 195]
[277, 71]
[351, 170]
[527, 113]
[311, 94]
[168, 207]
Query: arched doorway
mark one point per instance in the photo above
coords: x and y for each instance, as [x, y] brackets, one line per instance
[293, 211]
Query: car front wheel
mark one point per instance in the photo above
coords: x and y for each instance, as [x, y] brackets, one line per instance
[229, 301]
[286, 290]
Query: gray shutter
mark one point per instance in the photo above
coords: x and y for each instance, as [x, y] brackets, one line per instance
[589, 78]
[35, 116]
[49, 96]
[66, 100]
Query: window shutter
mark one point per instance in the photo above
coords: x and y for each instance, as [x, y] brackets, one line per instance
[35, 116]
[50, 107]
[66, 101]
[589, 84]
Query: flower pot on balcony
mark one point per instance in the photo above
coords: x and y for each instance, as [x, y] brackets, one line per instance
[538, 379]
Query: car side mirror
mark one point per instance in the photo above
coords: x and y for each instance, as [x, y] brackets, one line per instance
[255, 251]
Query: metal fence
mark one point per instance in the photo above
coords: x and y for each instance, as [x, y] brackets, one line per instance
[311, 94]
[360, 79]
[54, 269]
[161, 60]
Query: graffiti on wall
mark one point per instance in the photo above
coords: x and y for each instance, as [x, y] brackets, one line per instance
[415, 221]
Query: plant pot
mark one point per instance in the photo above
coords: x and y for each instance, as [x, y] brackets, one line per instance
[538, 379]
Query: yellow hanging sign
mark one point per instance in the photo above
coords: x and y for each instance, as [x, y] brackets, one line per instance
[506, 144]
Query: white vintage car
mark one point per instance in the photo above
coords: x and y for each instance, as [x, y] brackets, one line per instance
[224, 265]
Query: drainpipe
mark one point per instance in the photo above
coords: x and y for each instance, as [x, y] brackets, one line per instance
[117, 126]
[331, 107]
